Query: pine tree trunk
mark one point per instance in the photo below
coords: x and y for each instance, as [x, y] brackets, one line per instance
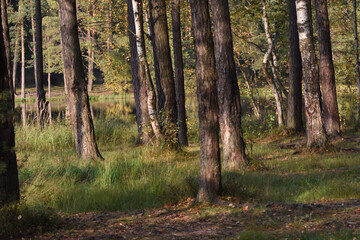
[9, 182]
[140, 95]
[77, 96]
[15, 60]
[22, 53]
[179, 73]
[40, 93]
[34, 42]
[315, 132]
[169, 112]
[294, 111]
[144, 72]
[6, 37]
[327, 72]
[49, 85]
[210, 166]
[356, 48]
[233, 144]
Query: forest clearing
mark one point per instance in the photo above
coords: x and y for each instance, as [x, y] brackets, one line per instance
[159, 119]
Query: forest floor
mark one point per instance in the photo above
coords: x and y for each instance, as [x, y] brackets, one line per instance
[226, 220]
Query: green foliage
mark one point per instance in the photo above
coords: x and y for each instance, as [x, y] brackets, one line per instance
[20, 220]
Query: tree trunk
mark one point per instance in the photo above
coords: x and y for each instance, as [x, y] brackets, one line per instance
[140, 95]
[233, 144]
[9, 182]
[169, 112]
[315, 132]
[179, 73]
[159, 89]
[327, 72]
[49, 85]
[294, 111]
[356, 48]
[77, 97]
[15, 60]
[40, 93]
[144, 72]
[6, 37]
[90, 54]
[22, 53]
[210, 166]
[34, 41]
[272, 81]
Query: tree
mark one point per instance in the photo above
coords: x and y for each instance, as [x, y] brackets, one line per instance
[233, 145]
[77, 96]
[210, 166]
[9, 182]
[315, 132]
[179, 73]
[294, 109]
[40, 93]
[327, 72]
[6, 36]
[169, 111]
[356, 48]
[22, 33]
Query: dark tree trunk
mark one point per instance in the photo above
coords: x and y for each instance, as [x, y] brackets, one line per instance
[294, 111]
[210, 166]
[77, 96]
[327, 72]
[356, 48]
[9, 182]
[233, 144]
[169, 112]
[40, 93]
[315, 132]
[22, 52]
[179, 73]
[159, 89]
[6, 35]
[34, 41]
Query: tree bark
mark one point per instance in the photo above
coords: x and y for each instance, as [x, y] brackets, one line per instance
[210, 166]
[327, 72]
[294, 111]
[90, 52]
[9, 182]
[233, 145]
[6, 36]
[40, 93]
[49, 85]
[140, 95]
[169, 112]
[356, 48]
[34, 41]
[315, 132]
[77, 95]
[15, 60]
[22, 53]
[144, 73]
[179, 73]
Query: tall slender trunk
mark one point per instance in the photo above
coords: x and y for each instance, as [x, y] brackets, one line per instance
[144, 72]
[169, 112]
[233, 145]
[34, 41]
[77, 95]
[356, 48]
[179, 73]
[16, 56]
[6, 37]
[272, 80]
[40, 93]
[9, 182]
[315, 132]
[294, 111]
[210, 165]
[49, 84]
[142, 116]
[327, 72]
[22, 33]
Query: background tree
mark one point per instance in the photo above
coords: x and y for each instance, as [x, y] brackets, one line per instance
[356, 48]
[233, 144]
[210, 166]
[77, 96]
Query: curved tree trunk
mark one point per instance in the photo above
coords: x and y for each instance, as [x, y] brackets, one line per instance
[315, 132]
[142, 115]
[179, 73]
[77, 96]
[144, 72]
[9, 182]
[169, 112]
[327, 72]
[210, 166]
[294, 111]
[40, 93]
[233, 144]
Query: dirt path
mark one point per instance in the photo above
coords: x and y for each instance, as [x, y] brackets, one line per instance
[227, 220]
